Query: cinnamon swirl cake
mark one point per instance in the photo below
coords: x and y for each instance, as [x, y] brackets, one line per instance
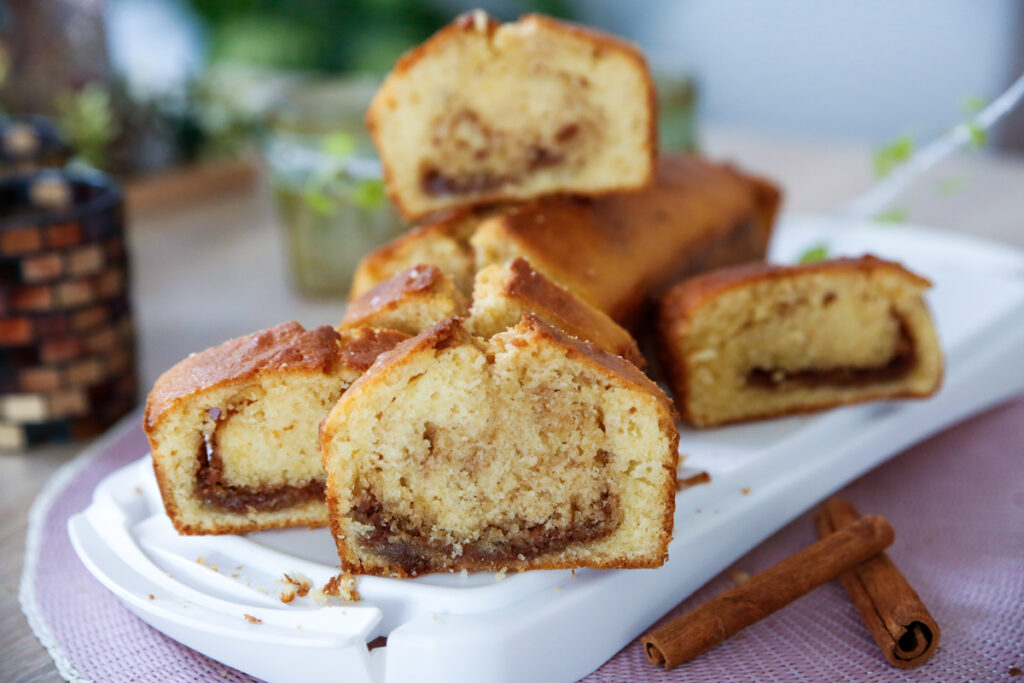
[529, 450]
[760, 341]
[484, 112]
[233, 429]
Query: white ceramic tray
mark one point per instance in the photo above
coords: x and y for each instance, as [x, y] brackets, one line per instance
[553, 625]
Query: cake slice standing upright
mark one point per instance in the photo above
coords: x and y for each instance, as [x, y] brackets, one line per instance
[485, 112]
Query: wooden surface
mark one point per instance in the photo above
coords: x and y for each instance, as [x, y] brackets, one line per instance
[213, 269]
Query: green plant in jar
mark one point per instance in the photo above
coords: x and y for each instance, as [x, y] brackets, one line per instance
[332, 202]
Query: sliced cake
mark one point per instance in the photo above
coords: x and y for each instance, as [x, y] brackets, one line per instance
[410, 301]
[483, 112]
[614, 252]
[503, 294]
[760, 341]
[233, 429]
[532, 449]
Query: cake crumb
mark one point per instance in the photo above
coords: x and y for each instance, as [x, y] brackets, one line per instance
[558, 588]
[201, 560]
[252, 620]
[745, 490]
[342, 586]
[693, 480]
[287, 595]
[437, 617]
[138, 490]
[151, 597]
[740, 576]
[300, 584]
[235, 575]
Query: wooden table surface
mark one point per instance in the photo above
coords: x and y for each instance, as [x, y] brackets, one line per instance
[215, 268]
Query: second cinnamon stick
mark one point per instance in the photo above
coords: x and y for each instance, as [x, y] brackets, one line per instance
[894, 614]
[741, 606]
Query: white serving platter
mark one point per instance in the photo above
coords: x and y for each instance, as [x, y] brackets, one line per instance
[556, 625]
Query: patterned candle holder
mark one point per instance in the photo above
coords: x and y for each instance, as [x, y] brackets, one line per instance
[67, 342]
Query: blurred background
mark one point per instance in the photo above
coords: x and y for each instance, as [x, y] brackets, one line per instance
[142, 85]
[258, 105]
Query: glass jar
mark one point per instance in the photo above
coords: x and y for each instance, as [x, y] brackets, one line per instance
[328, 185]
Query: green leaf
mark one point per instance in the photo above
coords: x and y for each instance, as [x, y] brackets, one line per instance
[319, 201]
[369, 194]
[972, 104]
[339, 144]
[893, 215]
[979, 136]
[815, 254]
[892, 155]
[951, 185]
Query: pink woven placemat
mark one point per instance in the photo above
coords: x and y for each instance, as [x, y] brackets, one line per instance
[956, 502]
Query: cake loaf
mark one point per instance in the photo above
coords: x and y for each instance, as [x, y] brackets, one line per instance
[483, 112]
[529, 450]
[612, 252]
[233, 429]
[760, 341]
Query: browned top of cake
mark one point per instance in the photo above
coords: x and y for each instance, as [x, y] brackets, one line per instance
[593, 245]
[477, 20]
[361, 346]
[689, 295]
[572, 314]
[288, 345]
[415, 280]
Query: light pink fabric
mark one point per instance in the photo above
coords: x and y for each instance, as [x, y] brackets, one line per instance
[956, 503]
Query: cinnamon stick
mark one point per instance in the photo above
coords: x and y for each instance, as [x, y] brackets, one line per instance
[891, 609]
[739, 607]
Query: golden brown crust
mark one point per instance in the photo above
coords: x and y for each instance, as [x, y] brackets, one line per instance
[568, 312]
[681, 303]
[287, 345]
[689, 295]
[470, 22]
[418, 281]
[617, 251]
[379, 264]
[361, 346]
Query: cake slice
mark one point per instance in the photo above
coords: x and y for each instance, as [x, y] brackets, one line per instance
[618, 252]
[233, 429]
[410, 302]
[504, 293]
[483, 112]
[760, 341]
[614, 252]
[443, 242]
[529, 450]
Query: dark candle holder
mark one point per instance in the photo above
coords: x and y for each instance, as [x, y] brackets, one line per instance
[67, 340]
[29, 143]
